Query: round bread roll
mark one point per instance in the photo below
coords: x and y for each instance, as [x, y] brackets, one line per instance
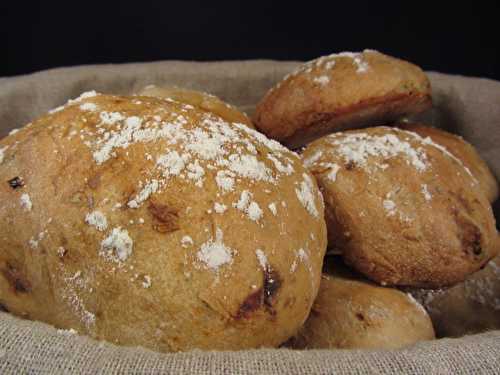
[147, 222]
[466, 308]
[351, 313]
[203, 100]
[401, 209]
[341, 91]
[463, 151]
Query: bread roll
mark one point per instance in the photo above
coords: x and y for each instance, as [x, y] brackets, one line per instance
[463, 151]
[352, 313]
[341, 91]
[466, 308]
[146, 222]
[401, 209]
[199, 99]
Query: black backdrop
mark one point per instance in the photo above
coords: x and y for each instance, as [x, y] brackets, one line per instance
[461, 39]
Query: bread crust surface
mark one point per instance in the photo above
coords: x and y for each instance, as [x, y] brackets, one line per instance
[462, 150]
[353, 313]
[400, 208]
[148, 222]
[339, 92]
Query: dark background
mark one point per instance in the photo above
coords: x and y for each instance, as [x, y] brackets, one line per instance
[461, 39]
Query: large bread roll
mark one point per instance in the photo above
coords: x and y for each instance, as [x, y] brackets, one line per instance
[401, 209]
[146, 222]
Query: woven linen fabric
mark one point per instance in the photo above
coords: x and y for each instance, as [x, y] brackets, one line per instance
[463, 105]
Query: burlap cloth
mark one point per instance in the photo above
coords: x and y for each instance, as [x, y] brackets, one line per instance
[468, 106]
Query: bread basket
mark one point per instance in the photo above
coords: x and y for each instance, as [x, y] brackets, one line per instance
[463, 105]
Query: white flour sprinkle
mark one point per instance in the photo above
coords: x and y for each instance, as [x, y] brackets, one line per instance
[244, 200]
[214, 254]
[362, 65]
[248, 166]
[328, 62]
[220, 208]
[150, 188]
[309, 162]
[225, 180]
[262, 258]
[204, 145]
[196, 173]
[110, 118]
[61, 251]
[57, 109]
[33, 243]
[425, 192]
[207, 146]
[358, 147]
[254, 211]
[120, 139]
[322, 80]
[390, 207]
[88, 107]
[14, 131]
[118, 245]
[272, 208]
[172, 163]
[146, 284]
[97, 220]
[429, 141]
[85, 95]
[287, 170]
[71, 287]
[26, 203]
[261, 138]
[2, 153]
[305, 195]
[332, 174]
[300, 255]
[186, 241]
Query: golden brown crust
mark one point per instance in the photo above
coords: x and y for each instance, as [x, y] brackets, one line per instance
[352, 313]
[340, 92]
[401, 209]
[462, 150]
[154, 223]
[203, 100]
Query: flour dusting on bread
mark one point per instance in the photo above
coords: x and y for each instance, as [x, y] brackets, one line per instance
[251, 208]
[214, 145]
[214, 253]
[262, 258]
[148, 195]
[2, 153]
[306, 196]
[97, 219]
[26, 203]
[327, 63]
[118, 245]
[358, 147]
